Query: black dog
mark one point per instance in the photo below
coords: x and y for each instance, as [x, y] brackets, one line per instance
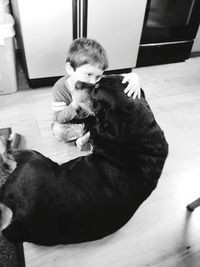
[92, 196]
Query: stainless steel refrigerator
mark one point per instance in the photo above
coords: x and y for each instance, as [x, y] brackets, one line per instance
[46, 28]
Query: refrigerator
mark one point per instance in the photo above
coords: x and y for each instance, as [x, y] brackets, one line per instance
[45, 30]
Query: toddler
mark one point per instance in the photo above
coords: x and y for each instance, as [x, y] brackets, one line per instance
[86, 62]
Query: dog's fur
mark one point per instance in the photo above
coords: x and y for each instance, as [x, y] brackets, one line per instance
[92, 196]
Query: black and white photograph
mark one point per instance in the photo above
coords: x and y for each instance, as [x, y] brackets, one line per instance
[100, 133]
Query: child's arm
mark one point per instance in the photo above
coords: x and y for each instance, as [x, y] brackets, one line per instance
[64, 109]
[133, 88]
[63, 113]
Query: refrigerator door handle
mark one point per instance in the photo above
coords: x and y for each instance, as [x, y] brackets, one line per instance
[84, 18]
[75, 18]
[80, 14]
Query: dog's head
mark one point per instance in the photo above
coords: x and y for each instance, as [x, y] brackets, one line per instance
[83, 96]
[108, 102]
[118, 117]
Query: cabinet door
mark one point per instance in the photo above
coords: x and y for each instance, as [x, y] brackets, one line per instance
[46, 31]
[117, 25]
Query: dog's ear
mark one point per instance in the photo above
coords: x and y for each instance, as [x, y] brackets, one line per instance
[111, 117]
[111, 123]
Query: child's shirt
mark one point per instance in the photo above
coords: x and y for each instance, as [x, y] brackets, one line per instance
[63, 111]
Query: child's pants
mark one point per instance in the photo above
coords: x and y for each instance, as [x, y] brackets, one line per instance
[68, 132]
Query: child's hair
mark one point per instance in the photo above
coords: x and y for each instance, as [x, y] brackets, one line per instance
[87, 51]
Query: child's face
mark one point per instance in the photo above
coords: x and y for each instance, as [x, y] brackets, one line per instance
[87, 73]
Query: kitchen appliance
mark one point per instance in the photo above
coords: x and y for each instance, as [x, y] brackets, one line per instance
[169, 29]
[46, 29]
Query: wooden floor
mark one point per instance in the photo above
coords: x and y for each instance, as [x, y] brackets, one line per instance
[161, 233]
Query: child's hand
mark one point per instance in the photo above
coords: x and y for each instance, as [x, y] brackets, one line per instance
[133, 88]
[79, 144]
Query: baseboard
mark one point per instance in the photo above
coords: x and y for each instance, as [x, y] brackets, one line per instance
[195, 54]
[42, 82]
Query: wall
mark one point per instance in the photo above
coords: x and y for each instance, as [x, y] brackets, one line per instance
[196, 45]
